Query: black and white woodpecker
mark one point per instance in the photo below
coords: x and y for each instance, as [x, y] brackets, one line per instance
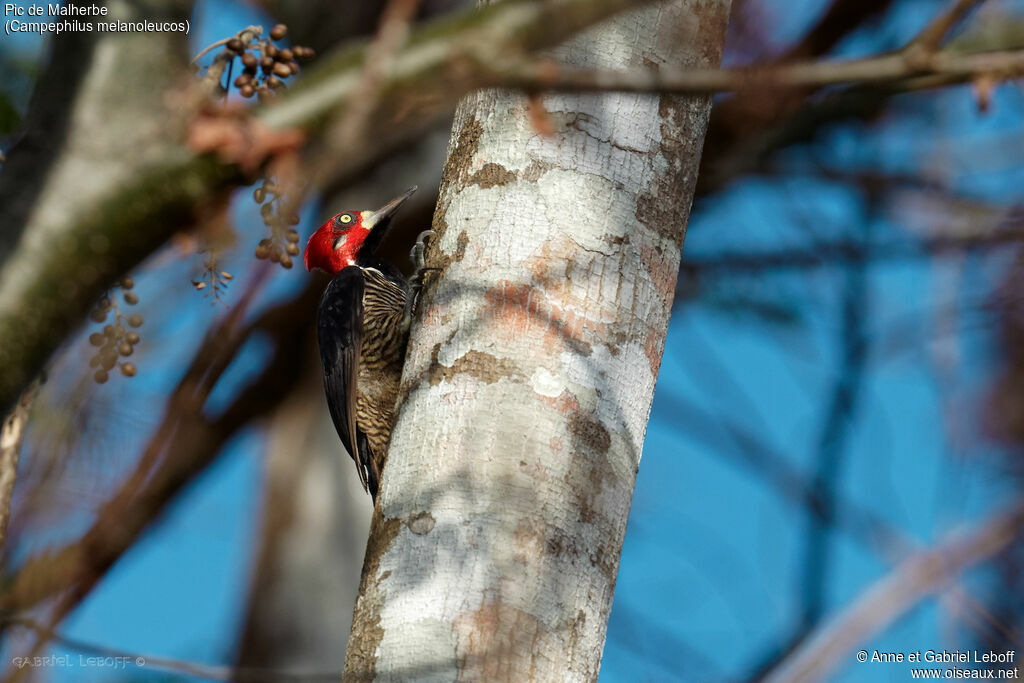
[362, 328]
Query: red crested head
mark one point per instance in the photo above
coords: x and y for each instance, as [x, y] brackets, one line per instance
[337, 243]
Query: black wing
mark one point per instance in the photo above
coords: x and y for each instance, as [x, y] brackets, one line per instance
[340, 332]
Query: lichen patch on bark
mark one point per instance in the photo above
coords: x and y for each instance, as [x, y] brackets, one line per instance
[361, 655]
[477, 364]
[491, 175]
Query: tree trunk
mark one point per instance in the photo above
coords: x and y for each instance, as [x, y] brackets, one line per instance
[495, 545]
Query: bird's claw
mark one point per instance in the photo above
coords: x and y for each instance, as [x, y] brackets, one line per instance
[418, 258]
[419, 250]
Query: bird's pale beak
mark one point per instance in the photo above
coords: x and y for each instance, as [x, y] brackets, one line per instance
[385, 212]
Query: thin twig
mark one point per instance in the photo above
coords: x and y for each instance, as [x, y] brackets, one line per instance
[931, 36]
[194, 669]
[241, 35]
[213, 73]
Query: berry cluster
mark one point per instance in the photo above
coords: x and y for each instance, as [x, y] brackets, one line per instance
[283, 242]
[115, 340]
[265, 65]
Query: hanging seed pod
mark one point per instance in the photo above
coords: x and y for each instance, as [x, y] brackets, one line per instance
[282, 70]
[286, 55]
[292, 249]
[292, 235]
[279, 31]
[131, 298]
[132, 337]
[96, 339]
[247, 90]
[259, 194]
[101, 376]
[125, 349]
[249, 61]
[135, 320]
[286, 261]
[242, 80]
[128, 369]
[127, 283]
[235, 45]
[98, 316]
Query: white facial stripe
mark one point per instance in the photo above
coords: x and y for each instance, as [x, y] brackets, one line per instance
[340, 241]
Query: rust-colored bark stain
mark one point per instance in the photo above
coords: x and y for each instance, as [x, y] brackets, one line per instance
[661, 269]
[521, 310]
[361, 658]
[654, 345]
[491, 640]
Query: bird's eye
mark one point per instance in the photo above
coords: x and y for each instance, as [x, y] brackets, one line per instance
[345, 218]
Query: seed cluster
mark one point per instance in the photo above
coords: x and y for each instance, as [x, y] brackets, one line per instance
[283, 242]
[214, 281]
[266, 65]
[115, 340]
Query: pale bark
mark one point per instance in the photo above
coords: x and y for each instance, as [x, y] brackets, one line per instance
[528, 384]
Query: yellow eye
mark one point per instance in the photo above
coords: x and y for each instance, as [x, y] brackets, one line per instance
[345, 218]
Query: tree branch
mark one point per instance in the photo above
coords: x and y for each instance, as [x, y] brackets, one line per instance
[11, 432]
[107, 231]
[896, 69]
[915, 579]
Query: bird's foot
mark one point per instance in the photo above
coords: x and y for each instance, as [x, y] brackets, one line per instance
[419, 250]
[418, 258]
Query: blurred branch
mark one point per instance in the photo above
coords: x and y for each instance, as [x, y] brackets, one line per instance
[830, 506]
[900, 70]
[842, 18]
[931, 36]
[150, 662]
[914, 580]
[11, 433]
[748, 127]
[853, 344]
[190, 441]
[844, 252]
[43, 291]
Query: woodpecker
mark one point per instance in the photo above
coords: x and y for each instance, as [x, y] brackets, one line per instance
[362, 329]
